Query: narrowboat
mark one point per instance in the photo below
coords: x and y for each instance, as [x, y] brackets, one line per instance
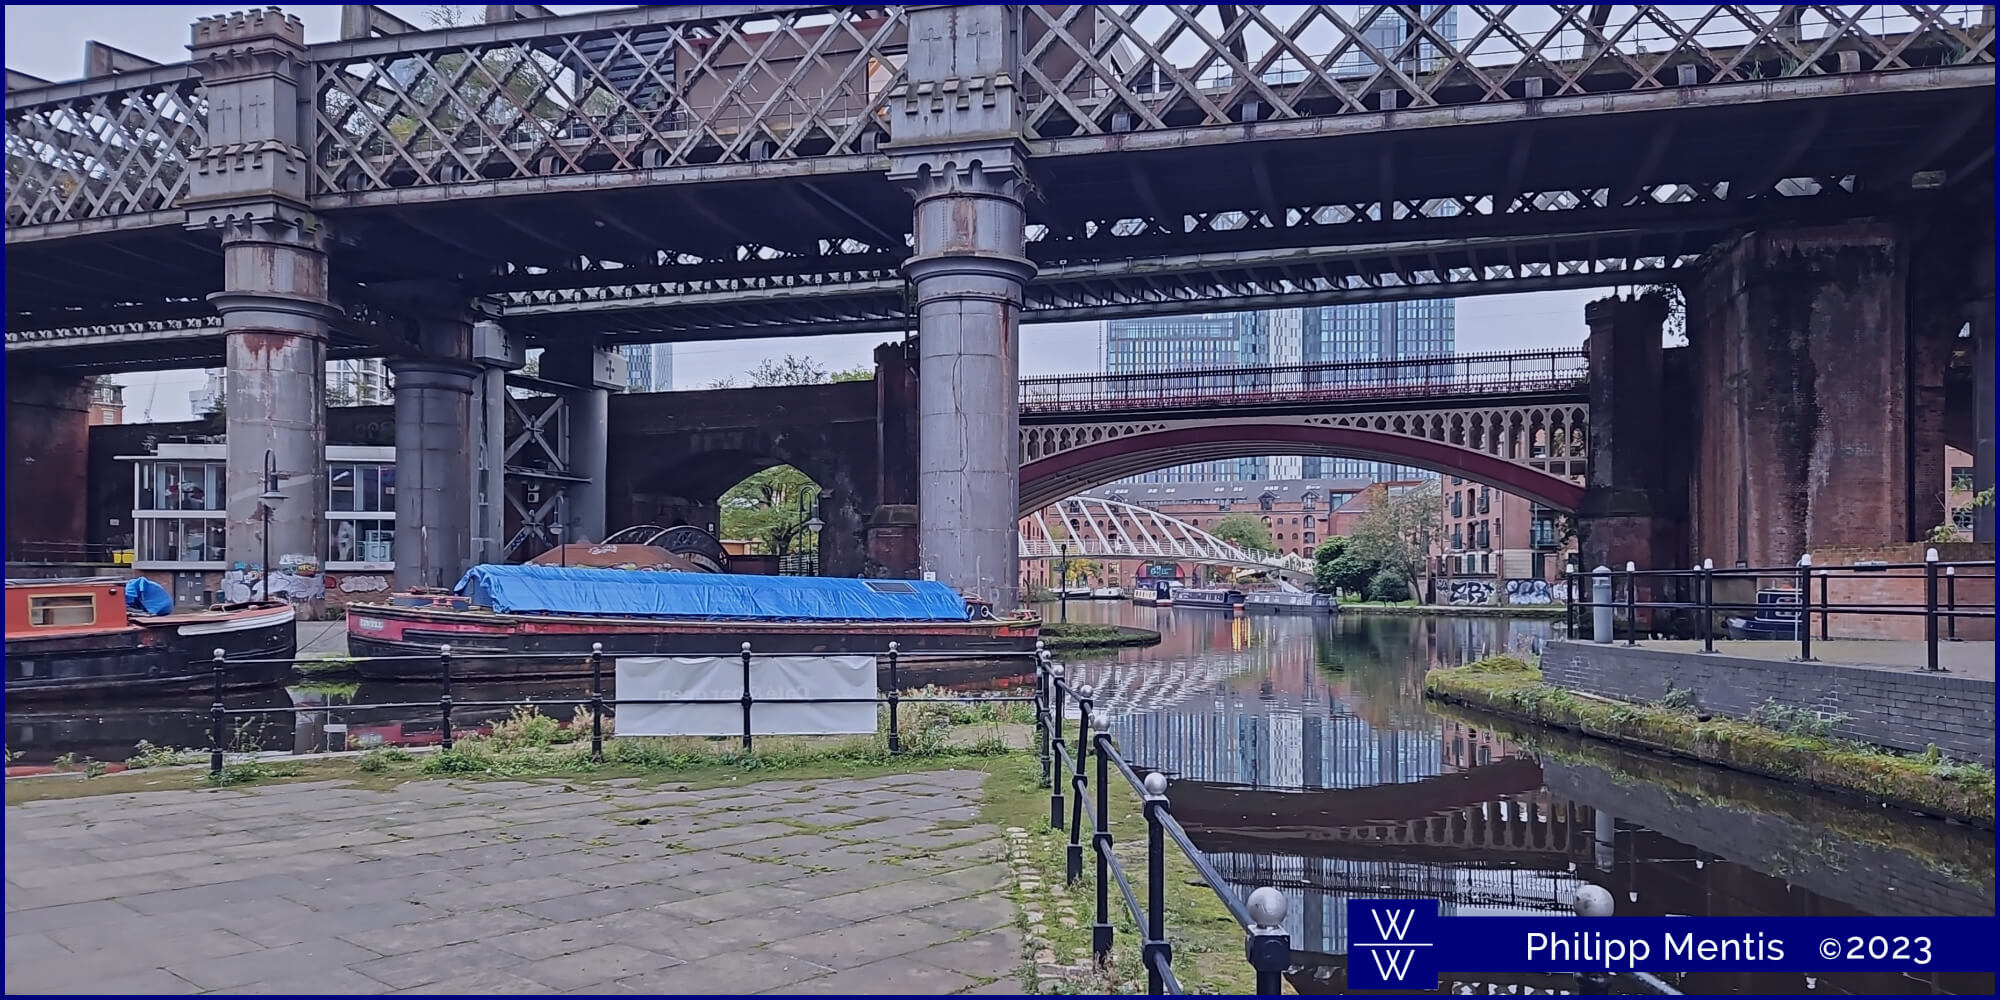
[1277, 602]
[1776, 617]
[106, 636]
[1155, 595]
[1209, 598]
[1108, 594]
[497, 611]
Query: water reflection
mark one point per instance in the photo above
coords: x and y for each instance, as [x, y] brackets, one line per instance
[1306, 758]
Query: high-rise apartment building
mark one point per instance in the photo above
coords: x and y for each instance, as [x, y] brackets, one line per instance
[648, 367]
[1374, 331]
[1207, 340]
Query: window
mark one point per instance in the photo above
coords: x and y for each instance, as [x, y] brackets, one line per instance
[1961, 478]
[1485, 499]
[1961, 518]
[180, 486]
[359, 486]
[180, 539]
[57, 610]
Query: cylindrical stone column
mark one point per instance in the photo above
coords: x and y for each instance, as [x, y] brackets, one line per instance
[970, 270]
[433, 471]
[275, 312]
[590, 458]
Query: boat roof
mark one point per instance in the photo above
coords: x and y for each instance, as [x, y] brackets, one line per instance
[69, 581]
[707, 596]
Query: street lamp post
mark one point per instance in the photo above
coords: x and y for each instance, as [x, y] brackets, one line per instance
[265, 508]
[1062, 588]
[813, 527]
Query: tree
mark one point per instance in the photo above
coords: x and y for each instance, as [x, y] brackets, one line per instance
[1245, 532]
[789, 370]
[1337, 568]
[765, 506]
[1675, 328]
[1397, 531]
[864, 373]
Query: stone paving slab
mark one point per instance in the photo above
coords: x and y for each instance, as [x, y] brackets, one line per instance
[516, 888]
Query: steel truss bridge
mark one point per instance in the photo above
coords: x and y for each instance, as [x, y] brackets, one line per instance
[1091, 528]
[701, 172]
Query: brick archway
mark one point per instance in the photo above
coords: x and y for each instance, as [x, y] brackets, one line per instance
[1068, 473]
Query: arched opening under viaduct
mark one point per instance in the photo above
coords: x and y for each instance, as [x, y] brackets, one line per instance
[1048, 480]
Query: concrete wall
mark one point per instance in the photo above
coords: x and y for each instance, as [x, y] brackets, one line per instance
[1892, 708]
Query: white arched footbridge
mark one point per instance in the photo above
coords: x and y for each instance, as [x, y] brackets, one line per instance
[1111, 529]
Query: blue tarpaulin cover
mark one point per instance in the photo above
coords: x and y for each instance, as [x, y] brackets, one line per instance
[707, 596]
[148, 596]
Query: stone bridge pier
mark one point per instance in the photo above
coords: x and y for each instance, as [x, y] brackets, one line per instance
[1817, 407]
[958, 150]
[48, 452]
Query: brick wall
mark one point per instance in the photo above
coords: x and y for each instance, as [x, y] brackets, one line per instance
[1901, 588]
[1897, 709]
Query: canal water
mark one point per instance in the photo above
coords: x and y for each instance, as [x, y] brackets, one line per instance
[1303, 755]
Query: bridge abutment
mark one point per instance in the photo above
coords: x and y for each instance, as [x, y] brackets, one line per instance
[1808, 406]
[48, 462]
[1631, 512]
[959, 152]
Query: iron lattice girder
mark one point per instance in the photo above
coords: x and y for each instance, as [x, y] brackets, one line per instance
[694, 89]
[1112, 529]
[787, 305]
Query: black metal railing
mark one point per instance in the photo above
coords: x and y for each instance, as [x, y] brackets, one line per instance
[1789, 603]
[57, 553]
[1266, 944]
[445, 704]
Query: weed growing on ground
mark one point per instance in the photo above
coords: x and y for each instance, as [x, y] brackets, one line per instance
[325, 663]
[1780, 717]
[145, 754]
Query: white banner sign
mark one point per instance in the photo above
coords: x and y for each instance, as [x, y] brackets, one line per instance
[722, 677]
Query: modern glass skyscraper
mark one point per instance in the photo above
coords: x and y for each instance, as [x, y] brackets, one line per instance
[648, 367]
[1374, 331]
[1187, 343]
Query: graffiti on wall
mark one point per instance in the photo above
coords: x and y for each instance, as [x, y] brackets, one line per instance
[363, 584]
[1471, 592]
[297, 579]
[1529, 592]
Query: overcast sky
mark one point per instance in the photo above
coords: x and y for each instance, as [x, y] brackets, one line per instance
[47, 41]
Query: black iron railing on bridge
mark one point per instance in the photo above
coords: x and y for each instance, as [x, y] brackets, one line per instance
[1789, 603]
[55, 553]
[1443, 376]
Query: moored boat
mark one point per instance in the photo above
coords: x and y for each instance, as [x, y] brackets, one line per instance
[107, 636]
[520, 610]
[1277, 602]
[1209, 598]
[1776, 617]
[1108, 594]
[1157, 595]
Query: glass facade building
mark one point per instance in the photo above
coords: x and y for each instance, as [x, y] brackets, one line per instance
[648, 367]
[1186, 343]
[1374, 331]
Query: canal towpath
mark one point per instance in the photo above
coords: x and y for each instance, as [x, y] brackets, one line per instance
[880, 884]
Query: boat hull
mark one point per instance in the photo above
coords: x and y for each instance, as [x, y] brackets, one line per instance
[153, 659]
[482, 642]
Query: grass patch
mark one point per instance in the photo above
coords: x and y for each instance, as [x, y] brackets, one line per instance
[1779, 742]
[1088, 635]
[1207, 941]
[324, 664]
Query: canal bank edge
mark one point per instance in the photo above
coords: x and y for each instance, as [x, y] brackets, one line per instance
[1509, 687]
[1549, 611]
[1090, 635]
